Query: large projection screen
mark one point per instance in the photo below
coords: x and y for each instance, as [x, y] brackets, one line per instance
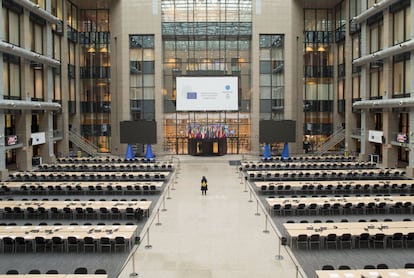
[207, 93]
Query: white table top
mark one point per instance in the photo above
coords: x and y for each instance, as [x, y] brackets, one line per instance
[368, 273]
[122, 205]
[353, 228]
[78, 231]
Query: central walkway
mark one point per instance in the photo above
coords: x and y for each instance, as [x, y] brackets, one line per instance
[218, 235]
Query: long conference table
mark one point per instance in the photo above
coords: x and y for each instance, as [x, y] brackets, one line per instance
[341, 200]
[128, 232]
[307, 174]
[105, 166]
[60, 205]
[55, 275]
[293, 230]
[334, 183]
[90, 175]
[81, 187]
[306, 164]
[367, 273]
[334, 187]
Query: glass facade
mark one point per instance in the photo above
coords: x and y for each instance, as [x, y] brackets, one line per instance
[11, 15]
[95, 74]
[206, 38]
[319, 72]
[272, 80]
[215, 38]
[142, 77]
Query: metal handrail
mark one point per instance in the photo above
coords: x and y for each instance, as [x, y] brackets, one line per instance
[299, 269]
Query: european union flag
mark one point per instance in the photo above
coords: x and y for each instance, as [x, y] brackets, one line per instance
[191, 95]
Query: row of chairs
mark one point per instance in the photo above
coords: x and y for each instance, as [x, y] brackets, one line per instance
[348, 241]
[342, 209]
[327, 158]
[79, 270]
[58, 244]
[344, 220]
[103, 167]
[70, 224]
[307, 166]
[368, 266]
[103, 160]
[351, 175]
[78, 213]
[74, 199]
[36, 177]
[80, 190]
[378, 188]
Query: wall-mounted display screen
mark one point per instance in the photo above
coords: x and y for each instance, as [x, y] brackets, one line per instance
[12, 140]
[207, 93]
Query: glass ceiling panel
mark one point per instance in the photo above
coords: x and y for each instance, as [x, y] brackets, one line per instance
[206, 10]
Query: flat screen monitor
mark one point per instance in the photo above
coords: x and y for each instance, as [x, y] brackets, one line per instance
[12, 140]
[207, 93]
[271, 131]
[138, 132]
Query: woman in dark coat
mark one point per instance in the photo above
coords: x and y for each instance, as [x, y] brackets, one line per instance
[204, 186]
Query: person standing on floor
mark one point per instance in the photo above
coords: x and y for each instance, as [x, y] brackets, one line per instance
[204, 186]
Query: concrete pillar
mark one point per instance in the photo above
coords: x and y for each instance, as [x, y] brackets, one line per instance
[46, 119]
[390, 128]
[365, 114]
[3, 170]
[410, 167]
[24, 155]
[63, 118]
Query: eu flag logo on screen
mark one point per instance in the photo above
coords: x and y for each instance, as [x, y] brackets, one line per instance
[191, 95]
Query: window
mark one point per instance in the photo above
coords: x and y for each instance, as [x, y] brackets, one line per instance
[57, 91]
[142, 79]
[56, 47]
[72, 21]
[401, 75]
[354, 10]
[11, 76]
[401, 15]
[72, 15]
[378, 121]
[36, 37]
[37, 74]
[57, 8]
[341, 60]
[376, 81]
[341, 95]
[403, 130]
[318, 97]
[376, 41]
[11, 23]
[356, 94]
[340, 21]
[271, 76]
[356, 46]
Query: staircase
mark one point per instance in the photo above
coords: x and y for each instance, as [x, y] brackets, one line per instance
[84, 145]
[332, 141]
